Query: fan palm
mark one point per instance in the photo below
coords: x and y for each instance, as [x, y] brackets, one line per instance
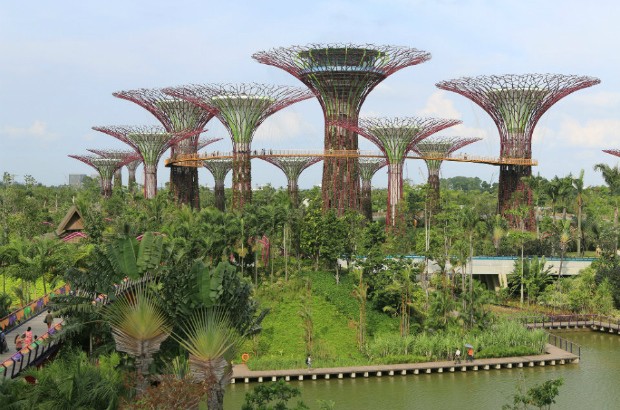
[211, 342]
[139, 326]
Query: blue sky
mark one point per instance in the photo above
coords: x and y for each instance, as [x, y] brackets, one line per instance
[61, 61]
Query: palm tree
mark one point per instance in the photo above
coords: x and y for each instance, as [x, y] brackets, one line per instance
[211, 342]
[612, 179]
[578, 185]
[139, 326]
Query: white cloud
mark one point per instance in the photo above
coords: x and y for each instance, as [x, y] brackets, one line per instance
[599, 99]
[438, 105]
[38, 130]
[601, 133]
[285, 125]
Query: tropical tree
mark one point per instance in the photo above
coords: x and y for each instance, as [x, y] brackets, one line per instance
[139, 326]
[611, 176]
[211, 342]
[578, 186]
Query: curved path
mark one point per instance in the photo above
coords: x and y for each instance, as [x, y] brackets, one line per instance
[38, 328]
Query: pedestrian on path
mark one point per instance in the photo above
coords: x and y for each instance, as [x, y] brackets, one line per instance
[470, 354]
[49, 319]
[28, 337]
[457, 356]
[309, 361]
[19, 342]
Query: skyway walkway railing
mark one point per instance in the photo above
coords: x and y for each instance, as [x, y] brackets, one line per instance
[32, 354]
[21, 315]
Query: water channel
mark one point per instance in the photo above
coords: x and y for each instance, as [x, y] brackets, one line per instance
[592, 384]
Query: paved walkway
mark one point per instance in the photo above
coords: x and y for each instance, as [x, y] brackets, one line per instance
[38, 328]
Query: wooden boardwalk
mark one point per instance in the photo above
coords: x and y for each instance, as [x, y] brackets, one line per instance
[553, 356]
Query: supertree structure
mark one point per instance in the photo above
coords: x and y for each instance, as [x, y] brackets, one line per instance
[241, 108]
[341, 76]
[292, 168]
[151, 142]
[204, 142]
[395, 137]
[516, 103]
[368, 168]
[176, 116]
[105, 167]
[433, 150]
[126, 156]
[219, 168]
[615, 152]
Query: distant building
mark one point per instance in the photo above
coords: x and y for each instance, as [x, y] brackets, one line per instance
[76, 180]
[71, 227]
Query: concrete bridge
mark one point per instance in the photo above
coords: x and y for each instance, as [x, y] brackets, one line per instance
[494, 270]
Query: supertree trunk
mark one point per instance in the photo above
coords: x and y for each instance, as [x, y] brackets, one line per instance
[118, 181]
[184, 185]
[433, 194]
[341, 183]
[395, 192]
[366, 199]
[514, 193]
[106, 187]
[150, 181]
[293, 192]
[131, 175]
[242, 175]
[220, 198]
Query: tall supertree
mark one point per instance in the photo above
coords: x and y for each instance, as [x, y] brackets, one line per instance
[241, 108]
[433, 150]
[126, 156]
[341, 76]
[395, 137]
[131, 174]
[368, 168]
[176, 116]
[105, 167]
[516, 103]
[292, 168]
[151, 142]
[219, 168]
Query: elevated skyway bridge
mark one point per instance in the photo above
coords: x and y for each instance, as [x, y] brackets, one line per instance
[196, 160]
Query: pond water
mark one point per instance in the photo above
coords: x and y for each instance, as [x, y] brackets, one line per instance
[591, 384]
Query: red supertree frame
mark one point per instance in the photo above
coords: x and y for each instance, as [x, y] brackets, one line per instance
[241, 108]
[434, 150]
[368, 168]
[395, 137]
[341, 76]
[615, 152]
[151, 142]
[516, 103]
[175, 115]
[126, 156]
[292, 168]
[105, 167]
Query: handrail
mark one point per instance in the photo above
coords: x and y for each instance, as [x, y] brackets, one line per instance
[17, 317]
[43, 346]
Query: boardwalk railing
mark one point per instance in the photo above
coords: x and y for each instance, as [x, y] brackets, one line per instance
[564, 344]
[32, 354]
[19, 316]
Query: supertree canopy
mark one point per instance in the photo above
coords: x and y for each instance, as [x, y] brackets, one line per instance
[241, 108]
[219, 168]
[341, 76]
[516, 103]
[151, 142]
[615, 152]
[368, 168]
[433, 150]
[175, 115]
[126, 156]
[105, 167]
[395, 137]
[292, 168]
